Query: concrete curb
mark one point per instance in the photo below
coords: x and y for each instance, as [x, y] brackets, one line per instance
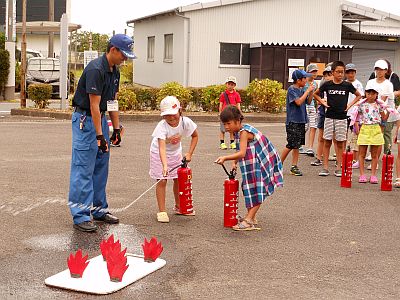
[150, 117]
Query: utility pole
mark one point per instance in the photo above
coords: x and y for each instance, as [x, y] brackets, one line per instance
[51, 34]
[23, 56]
[9, 89]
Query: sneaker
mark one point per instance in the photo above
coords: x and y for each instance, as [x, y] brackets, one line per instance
[368, 158]
[316, 162]
[223, 146]
[310, 152]
[356, 165]
[338, 173]
[162, 217]
[233, 145]
[302, 151]
[294, 170]
[324, 172]
[332, 158]
[87, 226]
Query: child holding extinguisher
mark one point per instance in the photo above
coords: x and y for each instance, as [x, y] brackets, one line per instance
[370, 115]
[259, 162]
[166, 151]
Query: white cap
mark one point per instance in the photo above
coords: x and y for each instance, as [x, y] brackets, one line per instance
[311, 67]
[372, 85]
[381, 64]
[231, 79]
[169, 106]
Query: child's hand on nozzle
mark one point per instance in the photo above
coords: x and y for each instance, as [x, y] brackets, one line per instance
[220, 160]
[234, 166]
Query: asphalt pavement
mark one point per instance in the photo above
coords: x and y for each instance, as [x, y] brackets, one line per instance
[318, 241]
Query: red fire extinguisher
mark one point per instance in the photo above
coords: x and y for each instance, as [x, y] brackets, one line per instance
[387, 171]
[185, 188]
[347, 168]
[231, 195]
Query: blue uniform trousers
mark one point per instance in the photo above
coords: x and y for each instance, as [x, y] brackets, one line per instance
[89, 170]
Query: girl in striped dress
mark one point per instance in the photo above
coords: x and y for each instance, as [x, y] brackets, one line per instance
[259, 162]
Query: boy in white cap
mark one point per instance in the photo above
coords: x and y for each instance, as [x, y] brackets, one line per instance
[229, 97]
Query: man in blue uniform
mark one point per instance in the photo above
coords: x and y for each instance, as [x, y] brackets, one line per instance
[95, 94]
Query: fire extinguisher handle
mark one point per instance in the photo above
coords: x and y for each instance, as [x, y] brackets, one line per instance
[231, 174]
[184, 162]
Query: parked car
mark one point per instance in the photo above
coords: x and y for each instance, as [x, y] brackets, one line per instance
[29, 54]
[44, 70]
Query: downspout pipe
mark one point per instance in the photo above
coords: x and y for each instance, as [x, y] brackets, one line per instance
[186, 48]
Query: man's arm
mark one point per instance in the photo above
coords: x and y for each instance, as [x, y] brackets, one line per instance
[95, 111]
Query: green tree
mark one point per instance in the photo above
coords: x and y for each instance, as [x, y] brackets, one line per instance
[81, 39]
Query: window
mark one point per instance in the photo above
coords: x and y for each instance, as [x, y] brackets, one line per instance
[234, 54]
[150, 48]
[168, 47]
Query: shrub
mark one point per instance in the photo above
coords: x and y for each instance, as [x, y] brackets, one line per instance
[40, 93]
[127, 99]
[146, 98]
[127, 72]
[2, 40]
[4, 68]
[267, 95]
[245, 104]
[210, 96]
[196, 103]
[174, 89]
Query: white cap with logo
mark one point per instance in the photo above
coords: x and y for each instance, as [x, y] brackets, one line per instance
[169, 106]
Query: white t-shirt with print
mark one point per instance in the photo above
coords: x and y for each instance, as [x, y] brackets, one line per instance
[358, 85]
[172, 135]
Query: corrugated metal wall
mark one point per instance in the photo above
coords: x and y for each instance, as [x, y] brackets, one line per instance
[365, 53]
[158, 72]
[364, 59]
[262, 20]
[249, 22]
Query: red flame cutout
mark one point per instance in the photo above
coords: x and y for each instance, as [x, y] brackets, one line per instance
[108, 245]
[116, 263]
[77, 264]
[151, 249]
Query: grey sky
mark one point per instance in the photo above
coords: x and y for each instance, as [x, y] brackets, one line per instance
[104, 16]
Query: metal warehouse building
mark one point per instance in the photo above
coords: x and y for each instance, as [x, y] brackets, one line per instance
[203, 43]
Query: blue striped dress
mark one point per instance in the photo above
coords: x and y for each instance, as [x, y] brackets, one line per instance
[261, 168]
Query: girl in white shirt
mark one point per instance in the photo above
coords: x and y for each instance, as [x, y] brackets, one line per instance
[166, 151]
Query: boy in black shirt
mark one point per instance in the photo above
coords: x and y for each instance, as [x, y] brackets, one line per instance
[335, 126]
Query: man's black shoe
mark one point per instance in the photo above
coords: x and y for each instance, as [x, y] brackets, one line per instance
[107, 218]
[87, 226]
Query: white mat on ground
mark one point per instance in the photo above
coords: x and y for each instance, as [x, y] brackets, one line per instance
[95, 279]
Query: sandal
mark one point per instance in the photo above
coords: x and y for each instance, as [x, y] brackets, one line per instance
[245, 225]
[362, 179]
[373, 179]
[396, 184]
[177, 212]
[162, 217]
[255, 221]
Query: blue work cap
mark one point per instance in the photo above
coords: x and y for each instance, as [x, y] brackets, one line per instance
[123, 43]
